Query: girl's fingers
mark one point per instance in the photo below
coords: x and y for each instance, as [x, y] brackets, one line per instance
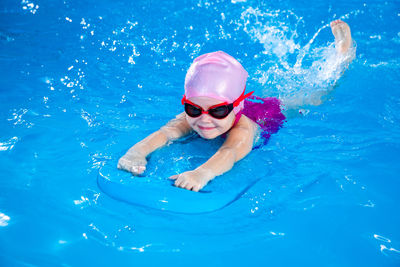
[137, 169]
[180, 183]
[174, 177]
[141, 169]
[196, 188]
[121, 164]
[189, 186]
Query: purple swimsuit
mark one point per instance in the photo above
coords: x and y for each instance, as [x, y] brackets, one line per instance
[266, 112]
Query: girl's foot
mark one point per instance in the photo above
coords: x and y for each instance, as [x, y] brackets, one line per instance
[342, 34]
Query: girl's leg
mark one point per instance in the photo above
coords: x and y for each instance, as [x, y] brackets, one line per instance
[342, 34]
[343, 43]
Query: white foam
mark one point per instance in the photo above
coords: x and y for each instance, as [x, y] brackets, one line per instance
[4, 219]
[299, 74]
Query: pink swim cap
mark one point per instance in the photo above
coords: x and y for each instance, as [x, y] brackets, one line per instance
[216, 75]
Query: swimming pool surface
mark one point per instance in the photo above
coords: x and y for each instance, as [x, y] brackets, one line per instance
[82, 81]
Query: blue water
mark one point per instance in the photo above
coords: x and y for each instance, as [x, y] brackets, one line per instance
[82, 81]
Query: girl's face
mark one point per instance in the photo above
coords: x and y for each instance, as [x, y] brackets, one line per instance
[205, 125]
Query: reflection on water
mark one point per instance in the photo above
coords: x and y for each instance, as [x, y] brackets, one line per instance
[80, 85]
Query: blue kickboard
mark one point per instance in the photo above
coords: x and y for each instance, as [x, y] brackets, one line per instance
[153, 192]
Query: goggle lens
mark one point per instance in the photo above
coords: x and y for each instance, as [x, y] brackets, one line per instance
[192, 111]
[217, 112]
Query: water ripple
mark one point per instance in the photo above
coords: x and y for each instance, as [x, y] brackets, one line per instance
[8, 145]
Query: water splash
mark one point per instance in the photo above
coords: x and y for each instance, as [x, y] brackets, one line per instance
[300, 74]
[29, 6]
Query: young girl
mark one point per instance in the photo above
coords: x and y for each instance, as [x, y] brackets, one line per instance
[216, 104]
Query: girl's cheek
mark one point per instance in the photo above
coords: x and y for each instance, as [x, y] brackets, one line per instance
[190, 121]
[192, 124]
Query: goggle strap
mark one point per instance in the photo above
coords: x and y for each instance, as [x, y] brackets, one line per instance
[241, 98]
[235, 103]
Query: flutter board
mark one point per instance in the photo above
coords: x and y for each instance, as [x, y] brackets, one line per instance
[160, 193]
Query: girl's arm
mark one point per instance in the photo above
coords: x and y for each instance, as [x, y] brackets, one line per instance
[134, 160]
[237, 145]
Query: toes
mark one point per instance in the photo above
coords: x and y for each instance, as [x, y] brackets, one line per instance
[336, 22]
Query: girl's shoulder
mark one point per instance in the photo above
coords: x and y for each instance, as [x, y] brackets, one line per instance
[244, 126]
[245, 121]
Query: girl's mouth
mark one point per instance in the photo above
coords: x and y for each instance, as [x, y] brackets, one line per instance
[205, 128]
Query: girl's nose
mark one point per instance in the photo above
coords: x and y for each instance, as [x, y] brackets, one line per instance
[205, 118]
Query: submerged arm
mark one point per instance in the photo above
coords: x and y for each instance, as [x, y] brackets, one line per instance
[237, 145]
[135, 159]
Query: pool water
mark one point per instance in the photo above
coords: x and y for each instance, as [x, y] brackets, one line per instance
[82, 81]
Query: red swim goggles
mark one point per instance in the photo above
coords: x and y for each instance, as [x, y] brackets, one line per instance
[218, 111]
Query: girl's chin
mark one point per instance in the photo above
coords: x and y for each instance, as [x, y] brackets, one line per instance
[208, 134]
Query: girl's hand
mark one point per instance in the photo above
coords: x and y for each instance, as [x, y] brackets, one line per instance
[192, 180]
[133, 162]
